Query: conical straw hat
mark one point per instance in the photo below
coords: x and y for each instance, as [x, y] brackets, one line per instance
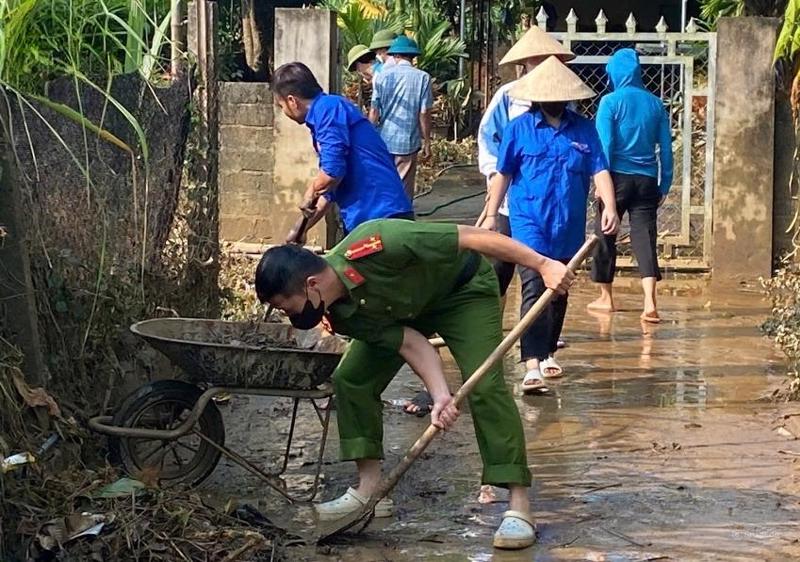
[551, 81]
[536, 43]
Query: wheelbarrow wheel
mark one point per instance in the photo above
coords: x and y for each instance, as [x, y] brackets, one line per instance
[166, 404]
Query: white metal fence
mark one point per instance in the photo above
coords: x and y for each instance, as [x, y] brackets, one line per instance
[679, 67]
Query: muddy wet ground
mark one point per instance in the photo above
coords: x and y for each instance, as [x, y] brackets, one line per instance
[657, 445]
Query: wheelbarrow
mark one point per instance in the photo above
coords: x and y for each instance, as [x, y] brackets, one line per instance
[173, 428]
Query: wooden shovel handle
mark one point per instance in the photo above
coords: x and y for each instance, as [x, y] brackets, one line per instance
[391, 479]
[302, 224]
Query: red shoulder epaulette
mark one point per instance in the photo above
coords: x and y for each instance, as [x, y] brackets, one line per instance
[354, 276]
[365, 247]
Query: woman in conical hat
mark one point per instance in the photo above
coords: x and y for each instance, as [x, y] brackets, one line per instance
[531, 49]
[546, 163]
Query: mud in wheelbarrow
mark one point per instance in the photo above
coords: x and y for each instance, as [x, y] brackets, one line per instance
[171, 430]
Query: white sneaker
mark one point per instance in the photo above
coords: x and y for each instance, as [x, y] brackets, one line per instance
[517, 531]
[351, 502]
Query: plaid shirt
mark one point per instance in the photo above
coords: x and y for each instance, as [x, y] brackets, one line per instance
[400, 94]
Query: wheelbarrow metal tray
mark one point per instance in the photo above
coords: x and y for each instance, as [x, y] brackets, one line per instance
[244, 354]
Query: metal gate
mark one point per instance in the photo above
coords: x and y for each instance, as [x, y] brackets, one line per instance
[678, 67]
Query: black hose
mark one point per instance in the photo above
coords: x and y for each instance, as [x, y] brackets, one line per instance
[451, 202]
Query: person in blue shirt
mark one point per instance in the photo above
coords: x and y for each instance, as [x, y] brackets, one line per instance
[546, 163]
[356, 170]
[635, 131]
[402, 100]
[531, 49]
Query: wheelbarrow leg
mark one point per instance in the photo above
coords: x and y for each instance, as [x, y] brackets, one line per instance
[291, 437]
[325, 425]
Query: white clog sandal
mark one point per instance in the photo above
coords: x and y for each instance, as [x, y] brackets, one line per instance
[349, 503]
[517, 531]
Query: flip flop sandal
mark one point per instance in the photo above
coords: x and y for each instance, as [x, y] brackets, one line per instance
[424, 403]
[349, 503]
[533, 383]
[651, 317]
[517, 531]
[551, 365]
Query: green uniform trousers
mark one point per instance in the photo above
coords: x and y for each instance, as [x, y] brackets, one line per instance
[469, 320]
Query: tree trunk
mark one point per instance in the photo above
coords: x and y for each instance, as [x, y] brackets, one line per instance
[252, 39]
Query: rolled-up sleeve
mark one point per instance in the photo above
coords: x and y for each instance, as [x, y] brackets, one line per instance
[333, 138]
[426, 95]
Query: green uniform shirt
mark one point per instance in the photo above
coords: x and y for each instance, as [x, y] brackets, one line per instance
[393, 270]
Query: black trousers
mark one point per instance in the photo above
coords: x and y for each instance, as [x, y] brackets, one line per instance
[503, 269]
[638, 196]
[541, 339]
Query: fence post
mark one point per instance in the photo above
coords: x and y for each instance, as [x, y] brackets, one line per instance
[18, 318]
[744, 150]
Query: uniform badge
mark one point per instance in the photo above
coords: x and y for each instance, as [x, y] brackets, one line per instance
[354, 276]
[365, 247]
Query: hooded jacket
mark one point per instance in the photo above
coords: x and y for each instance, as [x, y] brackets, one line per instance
[633, 123]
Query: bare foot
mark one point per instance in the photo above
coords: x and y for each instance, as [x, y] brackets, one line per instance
[487, 494]
[651, 316]
[601, 305]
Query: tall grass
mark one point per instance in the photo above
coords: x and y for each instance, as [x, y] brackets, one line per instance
[89, 41]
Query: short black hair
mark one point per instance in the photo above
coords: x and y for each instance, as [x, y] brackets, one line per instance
[295, 79]
[283, 270]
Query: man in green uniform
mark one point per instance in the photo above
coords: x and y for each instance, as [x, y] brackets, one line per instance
[389, 285]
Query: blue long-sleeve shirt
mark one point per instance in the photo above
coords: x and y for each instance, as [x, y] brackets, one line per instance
[551, 170]
[632, 123]
[350, 148]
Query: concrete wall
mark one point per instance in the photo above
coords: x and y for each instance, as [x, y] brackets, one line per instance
[248, 194]
[744, 145]
[267, 160]
[309, 36]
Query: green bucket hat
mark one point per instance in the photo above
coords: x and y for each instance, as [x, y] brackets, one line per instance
[404, 46]
[355, 54]
[382, 39]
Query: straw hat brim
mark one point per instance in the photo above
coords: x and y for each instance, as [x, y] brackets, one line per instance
[551, 81]
[380, 45]
[536, 43]
[355, 56]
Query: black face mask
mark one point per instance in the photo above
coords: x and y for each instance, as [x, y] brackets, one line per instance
[553, 109]
[310, 316]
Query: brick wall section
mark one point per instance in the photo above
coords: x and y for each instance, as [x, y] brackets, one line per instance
[247, 162]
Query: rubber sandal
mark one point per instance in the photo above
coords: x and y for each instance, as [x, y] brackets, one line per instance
[423, 401]
[533, 383]
[517, 531]
[651, 317]
[551, 365]
[349, 503]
